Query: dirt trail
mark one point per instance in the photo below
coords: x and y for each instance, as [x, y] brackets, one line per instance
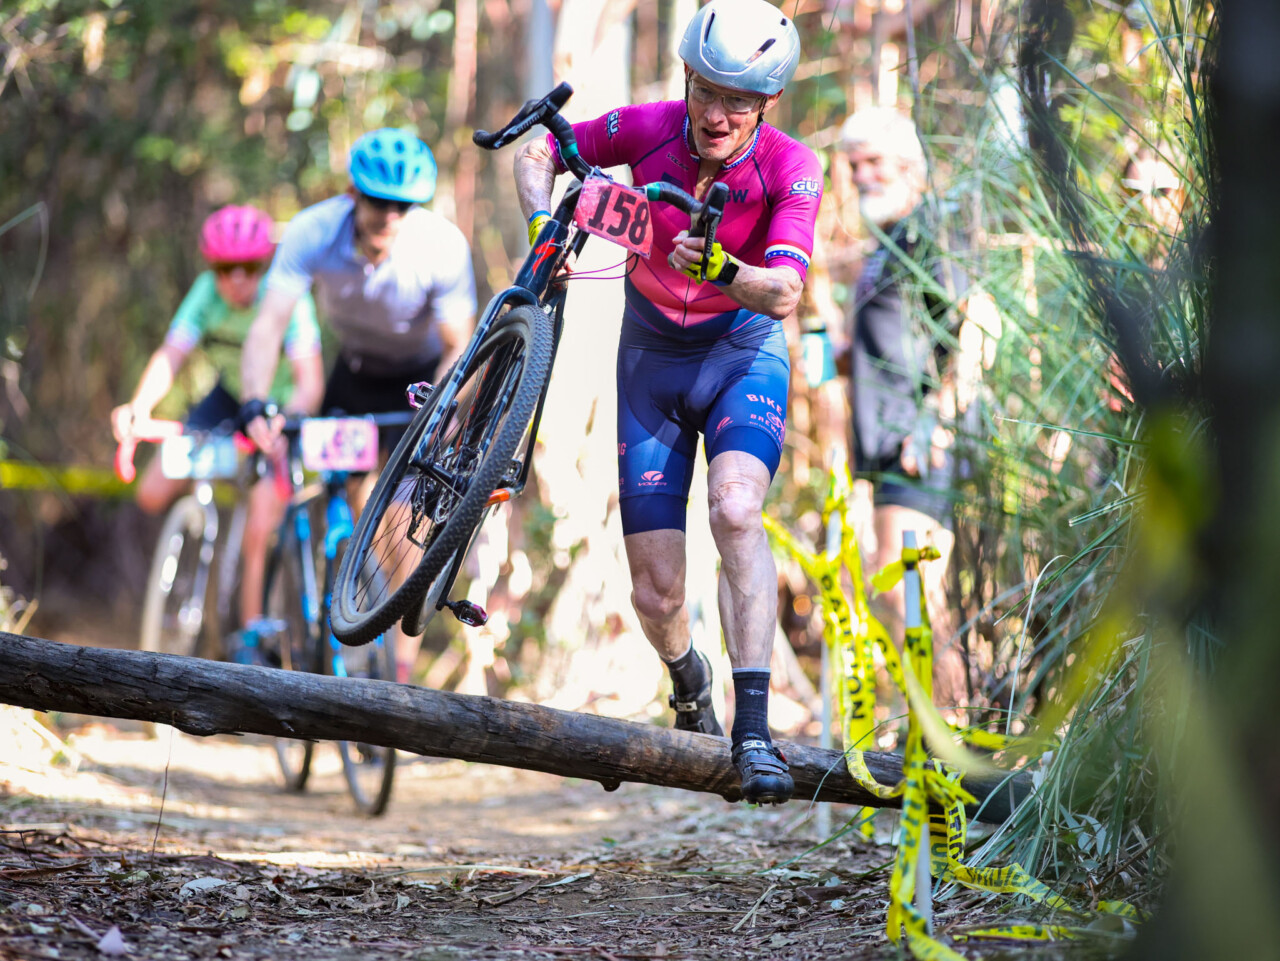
[470, 862]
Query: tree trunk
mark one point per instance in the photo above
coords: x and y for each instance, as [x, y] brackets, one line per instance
[207, 697]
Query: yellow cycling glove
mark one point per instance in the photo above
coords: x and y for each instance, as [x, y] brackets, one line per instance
[721, 267]
[539, 218]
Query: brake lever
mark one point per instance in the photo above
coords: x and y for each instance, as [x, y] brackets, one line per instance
[708, 220]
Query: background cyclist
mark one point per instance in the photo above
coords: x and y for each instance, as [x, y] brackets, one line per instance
[215, 316]
[394, 281]
[707, 354]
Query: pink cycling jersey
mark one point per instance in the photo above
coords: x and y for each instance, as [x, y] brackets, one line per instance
[775, 184]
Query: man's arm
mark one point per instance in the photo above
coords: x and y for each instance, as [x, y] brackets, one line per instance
[308, 384]
[156, 380]
[261, 355]
[766, 290]
[535, 170]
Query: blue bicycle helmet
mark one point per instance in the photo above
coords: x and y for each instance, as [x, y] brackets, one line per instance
[393, 164]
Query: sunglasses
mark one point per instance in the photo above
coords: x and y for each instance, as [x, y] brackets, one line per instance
[383, 204]
[733, 103]
[251, 268]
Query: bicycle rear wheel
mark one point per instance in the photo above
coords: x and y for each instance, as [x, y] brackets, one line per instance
[420, 612]
[297, 647]
[173, 610]
[434, 489]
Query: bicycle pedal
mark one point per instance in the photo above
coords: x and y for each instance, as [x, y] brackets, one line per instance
[418, 392]
[473, 615]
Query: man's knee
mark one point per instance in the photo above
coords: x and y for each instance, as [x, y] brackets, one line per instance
[151, 501]
[655, 600]
[735, 510]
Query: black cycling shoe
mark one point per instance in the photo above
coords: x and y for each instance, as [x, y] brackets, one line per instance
[697, 714]
[765, 778]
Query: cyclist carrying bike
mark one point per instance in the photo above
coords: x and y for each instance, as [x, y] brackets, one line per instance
[704, 352]
[395, 283]
[215, 316]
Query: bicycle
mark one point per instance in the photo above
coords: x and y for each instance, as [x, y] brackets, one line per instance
[176, 612]
[299, 608]
[470, 443]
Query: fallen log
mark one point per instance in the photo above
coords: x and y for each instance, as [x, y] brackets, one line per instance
[208, 697]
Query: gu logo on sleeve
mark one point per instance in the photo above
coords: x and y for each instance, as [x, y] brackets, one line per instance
[612, 123]
[809, 187]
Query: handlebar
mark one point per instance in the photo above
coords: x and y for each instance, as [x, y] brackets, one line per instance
[152, 431]
[397, 418]
[703, 216]
[544, 112]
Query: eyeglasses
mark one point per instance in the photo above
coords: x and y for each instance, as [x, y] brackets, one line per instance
[383, 204]
[251, 268]
[734, 104]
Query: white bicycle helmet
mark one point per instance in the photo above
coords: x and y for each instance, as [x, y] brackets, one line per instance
[744, 44]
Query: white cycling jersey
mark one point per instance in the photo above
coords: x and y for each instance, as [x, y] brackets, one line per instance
[384, 314]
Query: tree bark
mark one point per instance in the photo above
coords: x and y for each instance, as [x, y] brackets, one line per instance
[207, 697]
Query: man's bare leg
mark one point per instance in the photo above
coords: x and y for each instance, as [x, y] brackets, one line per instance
[736, 486]
[657, 562]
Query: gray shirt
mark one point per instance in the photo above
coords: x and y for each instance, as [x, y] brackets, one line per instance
[384, 314]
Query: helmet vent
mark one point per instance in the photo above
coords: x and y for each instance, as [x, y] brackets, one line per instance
[706, 31]
[763, 47]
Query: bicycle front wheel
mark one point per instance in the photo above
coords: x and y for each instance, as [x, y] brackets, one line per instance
[173, 609]
[368, 768]
[434, 489]
[295, 644]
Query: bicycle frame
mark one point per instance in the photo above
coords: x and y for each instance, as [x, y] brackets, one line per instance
[534, 284]
[297, 532]
[339, 523]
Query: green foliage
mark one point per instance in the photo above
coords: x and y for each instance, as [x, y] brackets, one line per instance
[140, 119]
[1068, 552]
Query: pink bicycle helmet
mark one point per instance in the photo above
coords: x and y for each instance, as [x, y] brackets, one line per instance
[236, 235]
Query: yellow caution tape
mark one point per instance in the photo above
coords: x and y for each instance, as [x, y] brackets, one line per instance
[933, 800]
[86, 481]
[849, 630]
[1022, 932]
[17, 475]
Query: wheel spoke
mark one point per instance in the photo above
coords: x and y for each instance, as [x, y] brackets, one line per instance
[437, 485]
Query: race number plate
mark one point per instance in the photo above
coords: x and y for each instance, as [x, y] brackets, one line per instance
[339, 444]
[193, 458]
[615, 212]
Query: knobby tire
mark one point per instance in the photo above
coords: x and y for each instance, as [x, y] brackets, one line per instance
[369, 769]
[170, 584]
[297, 647]
[468, 438]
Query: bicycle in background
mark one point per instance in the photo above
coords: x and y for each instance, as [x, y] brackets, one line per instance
[191, 592]
[312, 542]
[470, 444]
